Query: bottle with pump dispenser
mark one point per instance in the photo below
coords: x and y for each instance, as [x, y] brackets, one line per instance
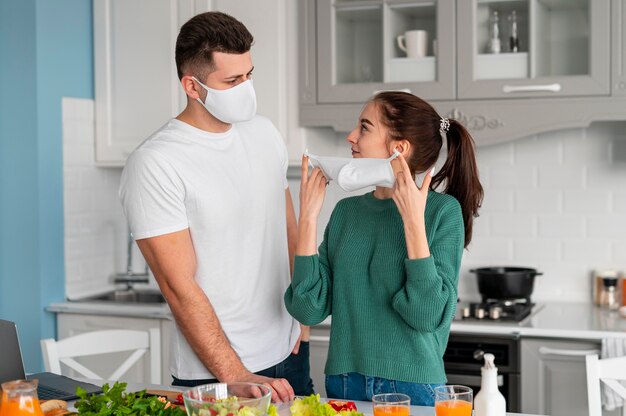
[489, 401]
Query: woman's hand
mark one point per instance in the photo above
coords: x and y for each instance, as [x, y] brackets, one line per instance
[312, 192]
[411, 202]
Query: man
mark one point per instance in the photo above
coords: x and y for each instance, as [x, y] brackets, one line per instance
[207, 200]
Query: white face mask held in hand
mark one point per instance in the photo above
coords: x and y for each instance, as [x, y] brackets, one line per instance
[353, 174]
[233, 105]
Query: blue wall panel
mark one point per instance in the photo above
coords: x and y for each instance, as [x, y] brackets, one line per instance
[46, 53]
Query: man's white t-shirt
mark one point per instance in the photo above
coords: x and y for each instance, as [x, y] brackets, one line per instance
[229, 190]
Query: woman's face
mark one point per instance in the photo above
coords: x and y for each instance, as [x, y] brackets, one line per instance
[369, 138]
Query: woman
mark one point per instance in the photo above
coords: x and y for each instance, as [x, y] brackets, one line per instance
[388, 267]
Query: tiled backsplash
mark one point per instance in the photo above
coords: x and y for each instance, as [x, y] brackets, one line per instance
[95, 228]
[555, 202]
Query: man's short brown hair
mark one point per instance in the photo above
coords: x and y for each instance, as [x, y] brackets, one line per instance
[204, 34]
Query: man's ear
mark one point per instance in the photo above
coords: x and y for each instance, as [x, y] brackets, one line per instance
[403, 146]
[190, 86]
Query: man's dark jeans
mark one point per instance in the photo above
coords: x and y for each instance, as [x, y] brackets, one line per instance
[295, 368]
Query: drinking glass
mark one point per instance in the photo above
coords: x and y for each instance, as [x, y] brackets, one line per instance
[19, 398]
[453, 400]
[391, 404]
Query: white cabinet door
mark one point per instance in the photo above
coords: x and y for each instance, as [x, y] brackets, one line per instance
[136, 85]
[74, 324]
[554, 376]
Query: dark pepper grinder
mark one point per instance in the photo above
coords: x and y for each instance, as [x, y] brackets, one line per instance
[513, 39]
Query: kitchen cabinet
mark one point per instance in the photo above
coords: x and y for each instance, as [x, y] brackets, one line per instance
[136, 85]
[567, 70]
[320, 338]
[554, 376]
[563, 49]
[359, 54]
[70, 324]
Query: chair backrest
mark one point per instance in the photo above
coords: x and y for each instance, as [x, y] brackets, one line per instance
[104, 342]
[608, 371]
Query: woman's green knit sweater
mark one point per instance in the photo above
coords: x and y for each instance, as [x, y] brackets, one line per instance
[391, 316]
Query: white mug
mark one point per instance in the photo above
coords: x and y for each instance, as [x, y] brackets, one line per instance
[414, 43]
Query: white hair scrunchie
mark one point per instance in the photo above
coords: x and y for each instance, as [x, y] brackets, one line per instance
[444, 125]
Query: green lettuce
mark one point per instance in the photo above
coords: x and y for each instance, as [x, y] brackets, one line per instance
[312, 406]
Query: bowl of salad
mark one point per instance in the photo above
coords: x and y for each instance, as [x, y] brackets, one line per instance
[228, 399]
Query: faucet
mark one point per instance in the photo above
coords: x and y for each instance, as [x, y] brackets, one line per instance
[130, 277]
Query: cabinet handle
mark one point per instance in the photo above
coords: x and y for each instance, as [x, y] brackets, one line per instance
[567, 353]
[531, 88]
[319, 338]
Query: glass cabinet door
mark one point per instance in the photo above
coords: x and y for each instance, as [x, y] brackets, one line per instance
[533, 48]
[365, 46]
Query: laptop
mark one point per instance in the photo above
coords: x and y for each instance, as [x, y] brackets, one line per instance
[51, 386]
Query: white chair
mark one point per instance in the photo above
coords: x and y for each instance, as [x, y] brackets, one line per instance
[104, 342]
[608, 371]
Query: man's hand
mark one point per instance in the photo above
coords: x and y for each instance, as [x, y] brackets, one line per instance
[281, 389]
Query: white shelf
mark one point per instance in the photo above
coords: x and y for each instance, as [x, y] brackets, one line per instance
[501, 66]
[411, 69]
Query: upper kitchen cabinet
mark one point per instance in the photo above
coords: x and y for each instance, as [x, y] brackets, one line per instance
[136, 85]
[504, 68]
[365, 46]
[533, 48]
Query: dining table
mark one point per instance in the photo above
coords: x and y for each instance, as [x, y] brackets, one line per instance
[283, 408]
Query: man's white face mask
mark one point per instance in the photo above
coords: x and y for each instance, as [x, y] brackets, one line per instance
[233, 105]
[353, 174]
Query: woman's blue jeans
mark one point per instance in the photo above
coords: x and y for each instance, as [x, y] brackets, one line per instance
[355, 386]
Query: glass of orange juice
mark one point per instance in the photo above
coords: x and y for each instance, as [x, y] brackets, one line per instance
[453, 400]
[19, 398]
[391, 404]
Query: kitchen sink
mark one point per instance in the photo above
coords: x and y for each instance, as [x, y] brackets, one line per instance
[129, 296]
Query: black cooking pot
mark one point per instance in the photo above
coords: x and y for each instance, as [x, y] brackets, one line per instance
[505, 282]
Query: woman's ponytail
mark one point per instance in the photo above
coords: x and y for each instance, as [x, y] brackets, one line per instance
[460, 175]
[408, 117]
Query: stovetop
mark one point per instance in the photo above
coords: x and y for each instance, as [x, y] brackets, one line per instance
[494, 310]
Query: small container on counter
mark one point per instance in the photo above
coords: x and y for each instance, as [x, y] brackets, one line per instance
[610, 297]
[598, 284]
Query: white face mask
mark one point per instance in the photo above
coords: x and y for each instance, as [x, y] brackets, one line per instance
[352, 174]
[233, 105]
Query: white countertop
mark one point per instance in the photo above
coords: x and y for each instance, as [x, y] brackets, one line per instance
[583, 321]
[555, 320]
[139, 310]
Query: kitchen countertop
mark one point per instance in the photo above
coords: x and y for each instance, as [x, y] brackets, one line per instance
[575, 320]
[555, 320]
[136, 310]
[583, 321]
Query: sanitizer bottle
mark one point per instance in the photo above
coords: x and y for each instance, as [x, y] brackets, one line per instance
[489, 401]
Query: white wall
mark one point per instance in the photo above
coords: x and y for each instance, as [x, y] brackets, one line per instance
[95, 227]
[555, 202]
